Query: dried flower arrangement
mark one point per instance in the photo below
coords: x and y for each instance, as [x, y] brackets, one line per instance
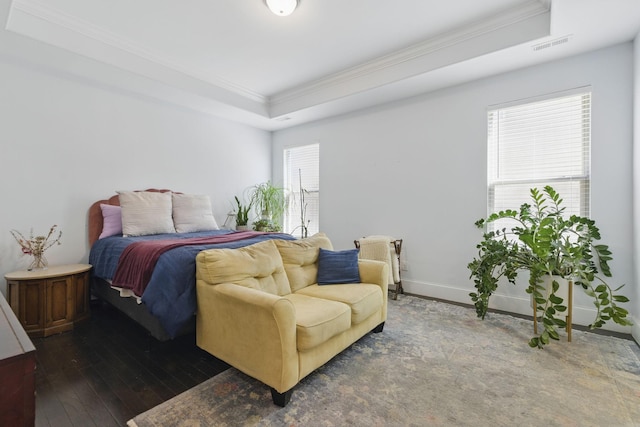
[37, 245]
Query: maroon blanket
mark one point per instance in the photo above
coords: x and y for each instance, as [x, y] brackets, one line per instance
[138, 260]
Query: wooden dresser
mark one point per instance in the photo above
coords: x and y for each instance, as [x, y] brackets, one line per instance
[50, 301]
[17, 371]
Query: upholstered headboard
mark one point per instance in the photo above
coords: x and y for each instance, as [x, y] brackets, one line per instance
[95, 214]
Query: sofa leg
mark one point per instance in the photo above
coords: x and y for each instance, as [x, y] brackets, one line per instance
[281, 399]
[378, 328]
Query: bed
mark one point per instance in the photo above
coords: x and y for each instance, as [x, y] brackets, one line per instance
[151, 277]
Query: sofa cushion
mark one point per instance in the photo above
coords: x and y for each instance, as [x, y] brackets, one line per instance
[338, 267]
[299, 258]
[257, 266]
[318, 320]
[364, 299]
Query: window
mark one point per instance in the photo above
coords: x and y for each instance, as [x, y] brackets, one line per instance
[539, 143]
[302, 180]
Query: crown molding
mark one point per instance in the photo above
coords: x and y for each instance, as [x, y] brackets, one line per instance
[525, 22]
[419, 51]
[102, 36]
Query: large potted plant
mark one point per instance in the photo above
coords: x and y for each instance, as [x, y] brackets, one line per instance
[269, 203]
[545, 243]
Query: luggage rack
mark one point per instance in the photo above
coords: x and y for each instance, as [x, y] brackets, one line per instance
[396, 244]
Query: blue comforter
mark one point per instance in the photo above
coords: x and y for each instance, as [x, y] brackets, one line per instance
[170, 294]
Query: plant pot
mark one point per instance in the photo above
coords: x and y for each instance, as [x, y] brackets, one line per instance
[242, 227]
[563, 291]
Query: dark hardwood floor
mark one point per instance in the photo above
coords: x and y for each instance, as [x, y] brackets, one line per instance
[108, 370]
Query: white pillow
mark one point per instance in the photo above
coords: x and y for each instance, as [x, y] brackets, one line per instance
[192, 212]
[145, 212]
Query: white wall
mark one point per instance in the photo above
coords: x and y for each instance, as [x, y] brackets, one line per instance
[66, 143]
[635, 305]
[416, 169]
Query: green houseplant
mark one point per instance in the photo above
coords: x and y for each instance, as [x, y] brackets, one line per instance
[543, 242]
[242, 214]
[265, 225]
[304, 222]
[269, 203]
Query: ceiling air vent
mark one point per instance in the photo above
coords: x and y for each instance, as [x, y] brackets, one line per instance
[551, 43]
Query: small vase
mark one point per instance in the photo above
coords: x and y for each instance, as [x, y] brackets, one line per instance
[39, 262]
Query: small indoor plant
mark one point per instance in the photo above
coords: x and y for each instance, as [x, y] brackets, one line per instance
[301, 199]
[242, 215]
[543, 242]
[269, 203]
[265, 225]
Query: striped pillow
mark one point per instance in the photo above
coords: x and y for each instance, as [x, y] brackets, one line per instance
[145, 212]
[192, 212]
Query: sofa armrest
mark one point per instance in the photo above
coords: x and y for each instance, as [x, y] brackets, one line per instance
[376, 272]
[252, 330]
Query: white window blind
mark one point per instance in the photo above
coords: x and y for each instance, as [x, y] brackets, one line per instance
[534, 144]
[302, 171]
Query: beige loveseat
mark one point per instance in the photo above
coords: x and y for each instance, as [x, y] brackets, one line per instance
[261, 310]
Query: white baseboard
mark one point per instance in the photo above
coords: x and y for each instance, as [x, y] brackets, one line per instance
[635, 329]
[520, 305]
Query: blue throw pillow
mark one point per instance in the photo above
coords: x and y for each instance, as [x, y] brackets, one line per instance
[336, 267]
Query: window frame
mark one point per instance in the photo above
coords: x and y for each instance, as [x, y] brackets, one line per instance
[495, 153]
[291, 219]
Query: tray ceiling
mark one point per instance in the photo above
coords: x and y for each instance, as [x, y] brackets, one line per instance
[237, 60]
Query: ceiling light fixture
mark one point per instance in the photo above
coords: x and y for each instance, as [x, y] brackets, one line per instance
[282, 7]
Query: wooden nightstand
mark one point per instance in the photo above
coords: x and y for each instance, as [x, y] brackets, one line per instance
[50, 301]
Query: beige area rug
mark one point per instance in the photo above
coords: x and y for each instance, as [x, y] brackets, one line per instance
[435, 364]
